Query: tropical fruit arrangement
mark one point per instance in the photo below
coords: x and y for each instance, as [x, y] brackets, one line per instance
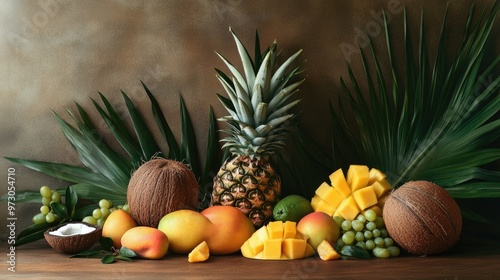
[149, 204]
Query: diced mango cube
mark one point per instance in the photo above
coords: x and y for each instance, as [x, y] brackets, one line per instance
[256, 241]
[333, 197]
[375, 175]
[326, 251]
[246, 251]
[358, 177]
[347, 209]
[322, 190]
[272, 249]
[381, 187]
[289, 229]
[324, 206]
[339, 182]
[365, 197]
[314, 201]
[293, 248]
[275, 230]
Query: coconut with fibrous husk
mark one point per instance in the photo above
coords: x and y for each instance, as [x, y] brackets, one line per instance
[72, 238]
[422, 218]
[158, 187]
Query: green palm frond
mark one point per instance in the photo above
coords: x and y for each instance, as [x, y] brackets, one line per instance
[438, 123]
[104, 171]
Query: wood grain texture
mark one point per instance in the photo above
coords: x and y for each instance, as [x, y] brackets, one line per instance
[466, 261]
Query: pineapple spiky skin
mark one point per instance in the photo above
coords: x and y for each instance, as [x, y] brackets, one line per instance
[251, 185]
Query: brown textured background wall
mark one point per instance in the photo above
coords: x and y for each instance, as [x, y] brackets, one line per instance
[53, 53]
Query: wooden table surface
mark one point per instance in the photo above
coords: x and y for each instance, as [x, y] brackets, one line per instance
[468, 260]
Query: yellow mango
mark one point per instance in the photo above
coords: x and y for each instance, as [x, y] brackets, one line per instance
[365, 197]
[324, 206]
[293, 248]
[375, 176]
[339, 182]
[314, 201]
[381, 187]
[333, 197]
[275, 230]
[272, 249]
[256, 241]
[358, 177]
[200, 253]
[326, 251]
[289, 229]
[347, 209]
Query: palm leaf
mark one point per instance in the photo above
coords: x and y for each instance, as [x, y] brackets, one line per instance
[441, 125]
[106, 172]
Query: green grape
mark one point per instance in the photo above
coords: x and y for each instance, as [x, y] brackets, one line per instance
[45, 192]
[346, 225]
[379, 222]
[104, 203]
[50, 217]
[56, 196]
[39, 219]
[369, 244]
[126, 208]
[100, 222]
[110, 203]
[340, 243]
[376, 233]
[112, 209]
[348, 237]
[359, 236]
[384, 233]
[379, 241]
[371, 226]
[361, 218]
[97, 213]
[394, 250]
[388, 241]
[338, 220]
[381, 252]
[357, 225]
[46, 201]
[368, 234]
[370, 215]
[90, 220]
[105, 212]
[44, 209]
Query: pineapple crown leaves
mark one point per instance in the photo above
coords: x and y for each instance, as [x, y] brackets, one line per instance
[438, 122]
[259, 100]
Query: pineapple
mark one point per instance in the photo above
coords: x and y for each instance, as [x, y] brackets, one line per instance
[258, 106]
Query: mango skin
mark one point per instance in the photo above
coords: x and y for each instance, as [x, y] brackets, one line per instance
[185, 229]
[224, 228]
[230, 229]
[318, 226]
[146, 242]
[117, 223]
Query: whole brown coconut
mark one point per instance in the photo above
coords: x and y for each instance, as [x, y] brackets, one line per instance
[422, 218]
[159, 187]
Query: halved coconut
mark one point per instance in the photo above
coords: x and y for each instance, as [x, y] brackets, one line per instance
[72, 238]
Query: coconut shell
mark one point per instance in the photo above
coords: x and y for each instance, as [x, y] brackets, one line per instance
[159, 187]
[422, 218]
[73, 244]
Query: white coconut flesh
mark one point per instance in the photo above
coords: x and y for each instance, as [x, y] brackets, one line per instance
[72, 229]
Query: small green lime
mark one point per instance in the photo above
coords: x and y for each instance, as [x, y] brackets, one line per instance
[292, 208]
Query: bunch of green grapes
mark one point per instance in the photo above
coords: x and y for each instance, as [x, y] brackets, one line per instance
[368, 232]
[46, 214]
[100, 214]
